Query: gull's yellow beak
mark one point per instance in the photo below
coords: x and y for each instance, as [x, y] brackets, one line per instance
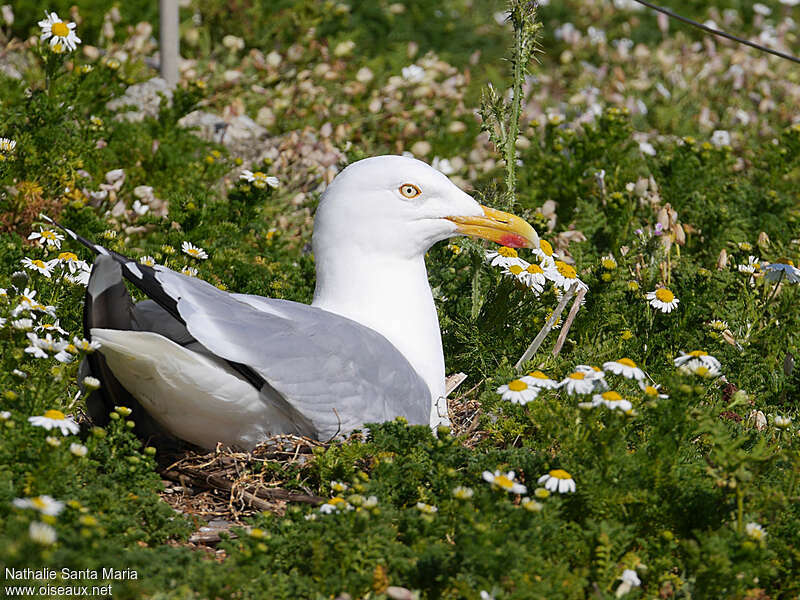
[500, 227]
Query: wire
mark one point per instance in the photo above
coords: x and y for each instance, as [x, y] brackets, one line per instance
[669, 13]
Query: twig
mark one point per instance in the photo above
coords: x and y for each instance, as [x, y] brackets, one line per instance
[537, 341]
[576, 306]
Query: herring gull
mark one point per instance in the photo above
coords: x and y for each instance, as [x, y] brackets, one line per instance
[208, 366]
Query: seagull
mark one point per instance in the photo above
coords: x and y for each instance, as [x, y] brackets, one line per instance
[207, 366]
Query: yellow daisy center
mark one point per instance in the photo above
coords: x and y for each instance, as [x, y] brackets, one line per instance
[578, 375]
[515, 269]
[507, 252]
[517, 386]
[56, 415]
[38, 503]
[701, 370]
[609, 264]
[47, 325]
[71, 349]
[627, 362]
[560, 474]
[60, 29]
[337, 500]
[38, 263]
[546, 247]
[193, 251]
[651, 391]
[697, 353]
[538, 375]
[665, 295]
[503, 482]
[534, 269]
[611, 395]
[50, 235]
[565, 270]
[67, 256]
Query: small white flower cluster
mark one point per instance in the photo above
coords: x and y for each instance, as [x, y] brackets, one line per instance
[535, 275]
[258, 179]
[698, 362]
[584, 380]
[72, 268]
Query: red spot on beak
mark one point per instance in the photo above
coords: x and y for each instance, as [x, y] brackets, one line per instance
[512, 240]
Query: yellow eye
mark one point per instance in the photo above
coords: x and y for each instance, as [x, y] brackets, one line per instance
[409, 190]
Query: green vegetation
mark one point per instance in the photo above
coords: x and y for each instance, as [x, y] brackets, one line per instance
[652, 162]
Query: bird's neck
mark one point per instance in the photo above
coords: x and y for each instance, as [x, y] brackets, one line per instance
[393, 297]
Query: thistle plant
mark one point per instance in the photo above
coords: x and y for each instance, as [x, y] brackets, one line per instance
[501, 116]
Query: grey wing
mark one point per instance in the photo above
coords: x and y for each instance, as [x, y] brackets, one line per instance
[335, 372]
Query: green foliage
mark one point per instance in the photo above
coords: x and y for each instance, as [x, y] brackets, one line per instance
[670, 489]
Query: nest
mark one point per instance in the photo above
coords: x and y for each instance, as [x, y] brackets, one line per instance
[221, 488]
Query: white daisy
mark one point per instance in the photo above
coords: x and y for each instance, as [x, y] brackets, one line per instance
[558, 480]
[531, 505]
[701, 355]
[538, 379]
[595, 373]
[45, 268]
[333, 505]
[148, 261]
[753, 265]
[782, 422]
[462, 493]
[427, 509]
[47, 237]
[698, 367]
[338, 486]
[54, 327]
[652, 391]
[504, 481]
[515, 269]
[7, 146]
[545, 253]
[59, 33]
[625, 367]
[71, 261]
[259, 179]
[81, 275]
[194, 251]
[755, 531]
[91, 383]
[503, 257]
[4, 415]
[578, 383]
[608, 262]
[663, 299]
[612, 400]
[85, 345]
[41, 533]
[55, 419]
[534, 277]
[22, 324]
[518, 392]
[562, 275]
[718, 325]
[190, 271]
[78, 450]
[44, 504]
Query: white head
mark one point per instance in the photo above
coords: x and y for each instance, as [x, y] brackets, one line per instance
[400, 206]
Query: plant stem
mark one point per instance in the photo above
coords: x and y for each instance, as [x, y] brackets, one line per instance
[513, 123]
